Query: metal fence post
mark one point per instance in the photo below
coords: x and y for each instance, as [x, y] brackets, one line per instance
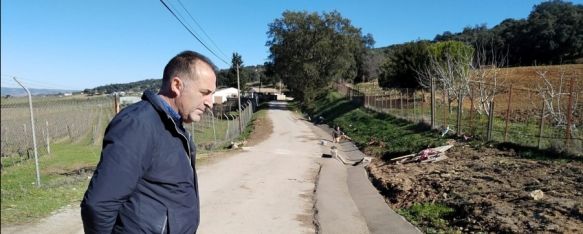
[508, 114]
[33, 132]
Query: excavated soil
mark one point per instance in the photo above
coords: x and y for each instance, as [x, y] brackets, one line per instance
[490, 190]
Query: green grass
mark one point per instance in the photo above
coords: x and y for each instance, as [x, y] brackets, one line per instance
[23, 202]
[251, 125]
[432, 215]
[205, 135]
[398, 136]
[522, 134]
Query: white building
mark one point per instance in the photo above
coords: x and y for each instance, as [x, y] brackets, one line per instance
[220, 96]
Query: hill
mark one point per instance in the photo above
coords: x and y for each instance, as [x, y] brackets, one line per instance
[137, 86]
[16, 92]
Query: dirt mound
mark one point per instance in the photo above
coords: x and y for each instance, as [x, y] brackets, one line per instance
[490, 190]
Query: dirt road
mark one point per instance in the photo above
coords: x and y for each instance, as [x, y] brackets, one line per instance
[266, 188]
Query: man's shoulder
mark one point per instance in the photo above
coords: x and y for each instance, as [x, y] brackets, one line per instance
[141, 112]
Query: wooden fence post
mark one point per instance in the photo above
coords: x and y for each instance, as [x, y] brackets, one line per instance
[472, 130]
[384, 102]
[70, 133]
[48, 139]
[414, 110]
[542, 122]
[432, 103]
[445, 108]
[407, 102]
[569, 114]
[390, 102]
[459, 113]
[401, 96]
[116, 103]
[490, 121]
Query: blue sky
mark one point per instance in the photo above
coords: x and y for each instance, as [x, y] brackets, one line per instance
[72, 44]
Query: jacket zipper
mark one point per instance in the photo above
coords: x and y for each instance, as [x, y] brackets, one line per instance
[187, 141]
[164, 224]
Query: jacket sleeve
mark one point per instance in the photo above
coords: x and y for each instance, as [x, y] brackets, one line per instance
[123, 159]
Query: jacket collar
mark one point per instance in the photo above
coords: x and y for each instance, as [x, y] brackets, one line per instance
[158, 104]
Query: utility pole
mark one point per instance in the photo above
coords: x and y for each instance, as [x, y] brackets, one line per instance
[239, 97]
[259, 77]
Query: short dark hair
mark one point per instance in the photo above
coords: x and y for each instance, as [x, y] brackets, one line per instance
[181, 64]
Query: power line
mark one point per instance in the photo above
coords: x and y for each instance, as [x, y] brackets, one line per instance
[7, 75]
[36, 83]
[8, 84]
[191, 33]
[201, 29]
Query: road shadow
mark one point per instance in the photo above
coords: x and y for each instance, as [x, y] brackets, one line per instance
[276, 105]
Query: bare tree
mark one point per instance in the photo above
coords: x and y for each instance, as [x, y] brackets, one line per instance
[452, 68]
[486, 77]
[553, 93]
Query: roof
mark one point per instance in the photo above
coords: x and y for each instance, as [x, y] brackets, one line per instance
[225, 91]
[264, 90]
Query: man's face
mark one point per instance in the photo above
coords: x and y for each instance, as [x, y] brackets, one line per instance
[195, 96]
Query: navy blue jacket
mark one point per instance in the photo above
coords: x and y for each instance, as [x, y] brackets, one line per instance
[145, 181]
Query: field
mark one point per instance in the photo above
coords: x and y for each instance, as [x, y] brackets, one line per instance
[485, 189]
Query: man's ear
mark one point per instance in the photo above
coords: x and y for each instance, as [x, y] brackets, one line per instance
[176, 86]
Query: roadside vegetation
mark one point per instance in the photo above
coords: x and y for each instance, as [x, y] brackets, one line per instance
[260, 115]
[376, 134]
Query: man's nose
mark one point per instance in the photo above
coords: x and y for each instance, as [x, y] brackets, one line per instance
[208, 103]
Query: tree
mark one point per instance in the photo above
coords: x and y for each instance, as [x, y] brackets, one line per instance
[308, 51]
[553, 91]
[400, 69]
[510, 39]
[370, 65]
[451, 63]
[237, 61]
[556, 31]
[552, 34]
[223, 78]
[366, 62]
[486, 69]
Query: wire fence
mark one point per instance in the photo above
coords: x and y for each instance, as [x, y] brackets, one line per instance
[56, 119]
[83, 119]
[524, 116]
[216, 132]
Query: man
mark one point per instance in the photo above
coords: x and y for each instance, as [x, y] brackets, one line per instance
[146, 181]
